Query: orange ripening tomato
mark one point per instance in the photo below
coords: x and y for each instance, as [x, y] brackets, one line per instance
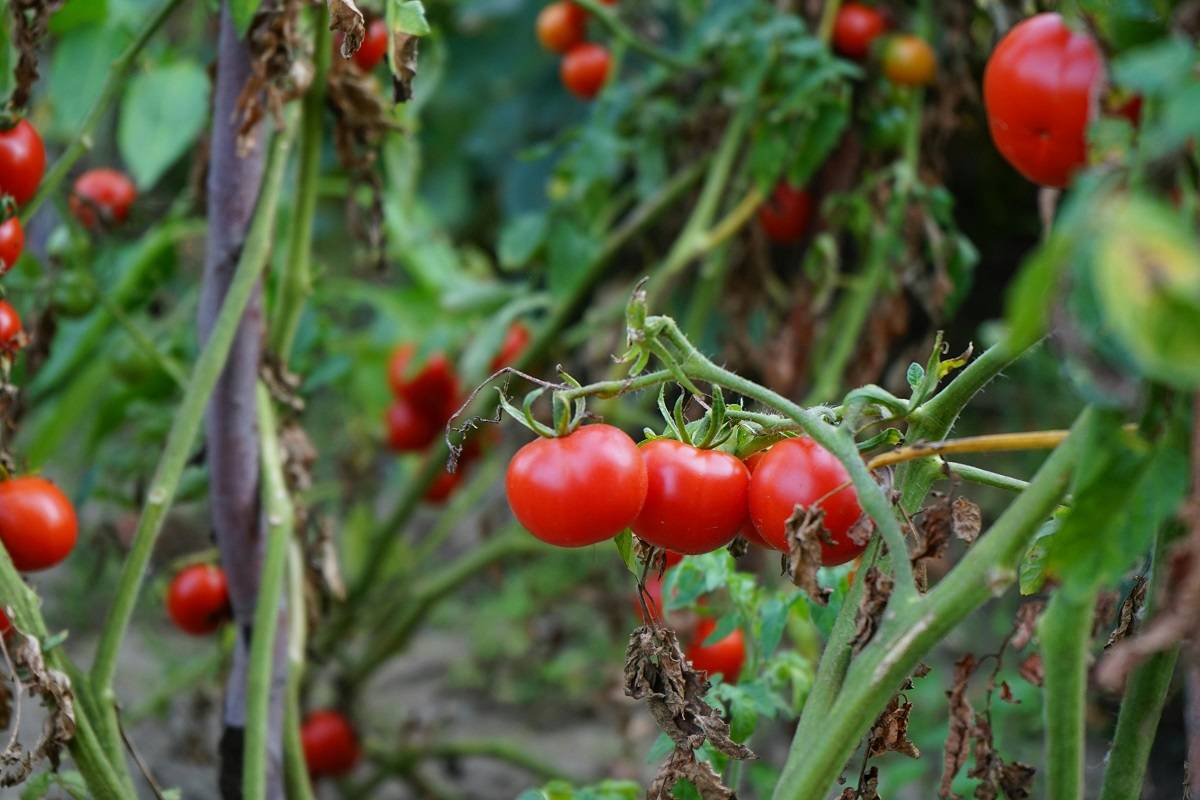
[1041, 89]
[561, 25]
[909, 61]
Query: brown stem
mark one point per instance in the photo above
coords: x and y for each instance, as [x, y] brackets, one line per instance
[231, 427]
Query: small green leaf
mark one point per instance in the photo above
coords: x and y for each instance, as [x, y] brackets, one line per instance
[77, 15]
[915, 375]
[408, 16]
[1032, 573]
[772, 620]
[624, 543]
[162, 114]
[521, 238]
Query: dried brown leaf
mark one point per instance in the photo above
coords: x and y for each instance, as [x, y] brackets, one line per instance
[966, 520]
[280, 68]
[1025, 624]
[30, 22]
[683, 765]
[1106, 606]
[961, 716]
[54, 690]
[404, 57]
[877, 589]
[889, 734]
[346, 19]
[1127, 617]
[805, 530]
[1031, 669]
[1006, 694]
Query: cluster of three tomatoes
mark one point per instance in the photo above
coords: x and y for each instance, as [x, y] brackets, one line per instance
[588, 486]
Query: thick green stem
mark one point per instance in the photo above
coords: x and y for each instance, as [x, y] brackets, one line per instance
[1064, 635]
[295, 279]
[186, 425]
[118, 71]
[278, 507]
[986, 570]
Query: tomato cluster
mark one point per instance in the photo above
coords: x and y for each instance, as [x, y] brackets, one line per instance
[588, 486]
[562, 28]
[329, 743]
[198, 599]
[22, 163]
[908, 60]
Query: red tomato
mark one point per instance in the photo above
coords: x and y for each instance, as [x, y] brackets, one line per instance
[561, 26]
[5, 623]
[577, 489]
[374, 46]
[749, 532]
[329, 743]
[198, 599]
[12, 242]
[672, 558]
[106, 193]
[432, 391]
[855, 28]
[22, 161]
[909, 61]
[1130, 108]
[801, 472]
[444, 485]
[37, 523]
[1041, 88]
[695, 499]
[407, 428]
[724, 656]
[784, 217]
[515, 342]
[10, 328]
[585, 69]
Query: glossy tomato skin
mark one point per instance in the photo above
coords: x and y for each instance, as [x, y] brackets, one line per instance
[561, 25]
[801, 472]
[749, 532]
[724, 656]
[329, 743]
[374, 46]
[12, 242]
[10, 328]
[695, 499]
[432, 390]
[22, 161]
[585, 69]
[578, 489]
[37, 523]
[198, 599]
[1041, 88]
[515, 341]
[102, 196]
[909, 61]
[855, 28]
[784, 216]
[408, 430]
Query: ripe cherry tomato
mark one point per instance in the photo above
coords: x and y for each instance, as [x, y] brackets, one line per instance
[103, 193]
[909, 61]
[12, 242]
[695, 499]
[561, 26]
[329, 743]
[855, 28]
[724, 656]
[198, 599]
[585, 69]
[577, 489]
[749, 532]
[515, 342]
[37, 523]
[407, 428]
[801, 472]
[10, 328]
[22, 161]
[784, 216]
[373, 48]
[444, 485]
[1041, 88]
[5, 623]
[432, 391]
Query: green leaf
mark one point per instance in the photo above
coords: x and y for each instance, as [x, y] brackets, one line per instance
[1155, 68]
[68, 781]
[79, 65]
[570, 249]
[1034, 293]
[521, 238]
[1032, 573]
[408, 16]
[162, 114]
[77, 15]
[819, 140]
[243, 14]
[915, 375]
[772, 620]
[624, 543]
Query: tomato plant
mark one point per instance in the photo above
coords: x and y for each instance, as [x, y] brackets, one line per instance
[198, 599]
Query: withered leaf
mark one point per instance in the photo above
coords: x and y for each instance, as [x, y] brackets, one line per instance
[1006, 694]
[966, 520]
[1031, 669]
[683, 765]
[54, 690]
[805, 530]
[877, 589]
[404, 70]
[739, 546]
[30, 22]
[869, 788]
[345, 18]
[1025, 624]
[1016, 780]
[1106, 604]
[279, 71]
[889, 734]
[1129, 611]
[657, 672]
[1013, 781]
[922, 670]
[954, 754]
[325, 558]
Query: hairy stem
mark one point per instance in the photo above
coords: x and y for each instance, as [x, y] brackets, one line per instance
[1064, 633]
